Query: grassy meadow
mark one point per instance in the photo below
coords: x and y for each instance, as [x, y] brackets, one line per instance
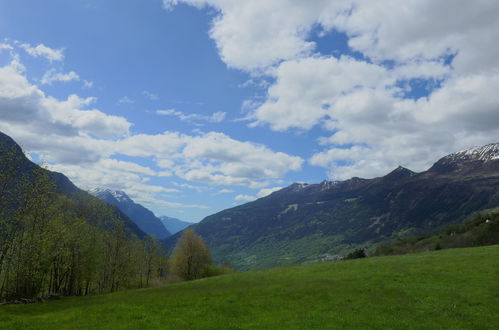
[446, 289]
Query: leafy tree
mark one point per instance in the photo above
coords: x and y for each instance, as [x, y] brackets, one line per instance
[191, 257]
[356, 254]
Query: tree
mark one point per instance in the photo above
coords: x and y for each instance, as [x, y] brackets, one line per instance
[191, 257]
[356, 254]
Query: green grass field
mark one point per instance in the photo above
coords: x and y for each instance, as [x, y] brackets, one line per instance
[448, 289]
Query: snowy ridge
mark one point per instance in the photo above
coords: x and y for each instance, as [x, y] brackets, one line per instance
[120, 196]
[486, 153]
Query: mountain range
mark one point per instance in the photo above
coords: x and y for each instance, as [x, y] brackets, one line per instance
[302, 223]
[312, 222]
[141, 216]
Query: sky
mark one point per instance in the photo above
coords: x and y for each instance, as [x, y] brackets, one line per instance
[195, 106]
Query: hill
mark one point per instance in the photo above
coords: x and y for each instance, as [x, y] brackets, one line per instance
[311, 222]
[141, 216]
[483, 229]
[56, 239]
[174, 225]
[15, 166]
[449, 289]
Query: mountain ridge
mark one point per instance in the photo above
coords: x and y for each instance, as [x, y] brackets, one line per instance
[14, 160]
[140, 215]
[308, 222]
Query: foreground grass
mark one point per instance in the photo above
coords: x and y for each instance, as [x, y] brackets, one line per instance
[449, 289]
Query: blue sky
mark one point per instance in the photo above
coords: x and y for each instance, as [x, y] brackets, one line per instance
[194, 106]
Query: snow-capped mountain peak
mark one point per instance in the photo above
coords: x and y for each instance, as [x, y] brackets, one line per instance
[485, 153]
[119, 195]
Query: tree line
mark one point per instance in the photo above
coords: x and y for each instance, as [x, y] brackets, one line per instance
[51, 244]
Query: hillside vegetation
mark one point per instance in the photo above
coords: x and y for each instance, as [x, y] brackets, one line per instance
[448, 289]
[483, 229]
[58, 240]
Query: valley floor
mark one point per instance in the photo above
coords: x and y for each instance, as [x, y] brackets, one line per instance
[447, 289]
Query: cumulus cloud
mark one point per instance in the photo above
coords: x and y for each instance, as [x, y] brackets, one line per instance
[251, 35]
[87, 145]
[28, 106]
[212, 158]
[216, 117]
[217, 159]
[307, 88]
[375, 116]
[261, 193]
[52, 75]
[41, 50]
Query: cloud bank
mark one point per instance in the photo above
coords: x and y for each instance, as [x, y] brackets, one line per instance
[373, 116]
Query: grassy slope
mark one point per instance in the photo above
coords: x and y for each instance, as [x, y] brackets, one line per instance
[444, 289]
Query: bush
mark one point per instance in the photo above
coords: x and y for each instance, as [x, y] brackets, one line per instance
[356, 254]
[216, 270]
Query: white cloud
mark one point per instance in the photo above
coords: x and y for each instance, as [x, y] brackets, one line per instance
[5, 47]
[52, 75]
[216, 159]
[267, 191]
[254, 35]
[189, 186]
[150, 96]
[363, 101]
[43, 51]
[86, 144]
[125, 100]
[50, 125]
[261, 193]
[225, 191]
[245, 198]
[88, 84]
[216, 117]
[306, 88]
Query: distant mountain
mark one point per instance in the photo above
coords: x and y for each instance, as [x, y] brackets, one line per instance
[311, 222]
[174, 225]
[141, 216]
[13, 163]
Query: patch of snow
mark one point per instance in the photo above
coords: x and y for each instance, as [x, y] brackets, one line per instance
[486, 153]
[326, 185]
[120, 196]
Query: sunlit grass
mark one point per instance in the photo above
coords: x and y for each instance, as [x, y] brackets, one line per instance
[446, 289]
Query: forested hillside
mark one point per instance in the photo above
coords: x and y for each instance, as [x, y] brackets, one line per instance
[57, 239]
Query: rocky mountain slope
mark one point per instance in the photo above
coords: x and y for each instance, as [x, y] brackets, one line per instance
[141, 216]
[312, 222]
